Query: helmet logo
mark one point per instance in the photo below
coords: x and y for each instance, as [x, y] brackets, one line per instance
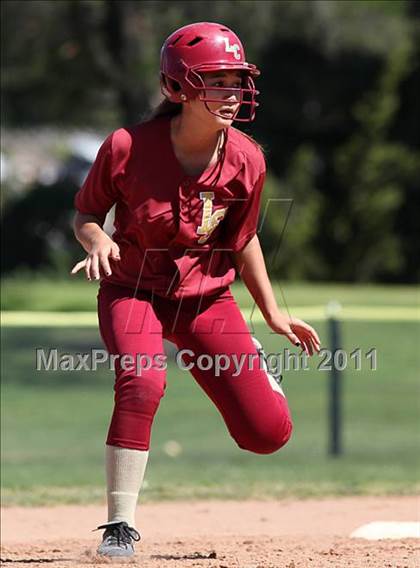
[232, 48]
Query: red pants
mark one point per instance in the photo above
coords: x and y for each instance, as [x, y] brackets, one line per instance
[256, 416]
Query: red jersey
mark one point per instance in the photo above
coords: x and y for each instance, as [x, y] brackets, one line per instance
[175, 231]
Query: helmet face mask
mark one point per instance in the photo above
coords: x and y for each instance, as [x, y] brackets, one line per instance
[206, 47]
[245, 96]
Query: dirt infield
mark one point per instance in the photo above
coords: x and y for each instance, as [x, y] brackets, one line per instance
[210, 534]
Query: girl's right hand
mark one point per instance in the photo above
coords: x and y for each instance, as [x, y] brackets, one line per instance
[97, 260]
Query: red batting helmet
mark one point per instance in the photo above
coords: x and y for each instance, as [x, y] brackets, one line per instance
[205, 47]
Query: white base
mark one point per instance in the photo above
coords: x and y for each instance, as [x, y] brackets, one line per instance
[379, 530]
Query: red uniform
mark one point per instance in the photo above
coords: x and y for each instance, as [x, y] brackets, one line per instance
[170, 226]
[175, 232]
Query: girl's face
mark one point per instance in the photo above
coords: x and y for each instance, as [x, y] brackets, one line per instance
[226, 102]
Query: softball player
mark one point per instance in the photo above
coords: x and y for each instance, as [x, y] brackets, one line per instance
[187, 188]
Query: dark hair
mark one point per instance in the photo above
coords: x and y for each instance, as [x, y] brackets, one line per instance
[164, 108]
[168, 108]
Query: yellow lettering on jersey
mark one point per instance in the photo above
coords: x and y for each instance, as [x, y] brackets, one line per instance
[210, 219]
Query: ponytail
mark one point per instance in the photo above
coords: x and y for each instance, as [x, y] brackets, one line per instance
[165, 108]
[169, 109]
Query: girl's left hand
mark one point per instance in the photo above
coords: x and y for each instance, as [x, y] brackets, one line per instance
[297, 331]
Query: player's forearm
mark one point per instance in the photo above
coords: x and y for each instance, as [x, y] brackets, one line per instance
[87, 230]
[251, 267]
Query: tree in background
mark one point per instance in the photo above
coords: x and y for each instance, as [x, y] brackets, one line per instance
[342, 146]
[338, 107]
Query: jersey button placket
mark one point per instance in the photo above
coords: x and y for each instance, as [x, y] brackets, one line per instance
[185, 192]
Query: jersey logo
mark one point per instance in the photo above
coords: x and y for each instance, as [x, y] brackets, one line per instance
[232, 48]
[210, 218]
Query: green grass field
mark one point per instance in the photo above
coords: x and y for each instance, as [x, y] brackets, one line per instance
[76, 294]
[54, 423]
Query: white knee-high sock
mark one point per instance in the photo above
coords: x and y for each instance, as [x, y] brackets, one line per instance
[124, 473]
